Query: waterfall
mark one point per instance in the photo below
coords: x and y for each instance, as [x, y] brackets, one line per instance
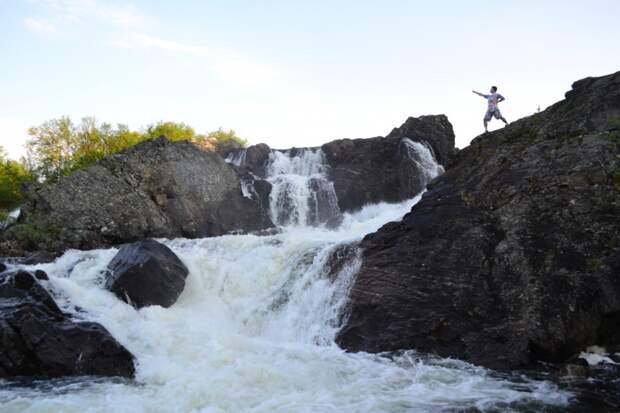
[422, 156]
[237, 158]
[253, 330]
[301, 193]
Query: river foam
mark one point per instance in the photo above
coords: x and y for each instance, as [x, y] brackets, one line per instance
[253, 331]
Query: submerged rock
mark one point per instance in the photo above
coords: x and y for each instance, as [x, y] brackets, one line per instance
[146, 273]
[514, 253]
[38, 339]
[156, 188]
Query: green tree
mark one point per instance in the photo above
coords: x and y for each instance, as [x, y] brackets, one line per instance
[122, 138]
[172, 130]
[58, 147]
[51, 147]
[219, 136]
[12, 176]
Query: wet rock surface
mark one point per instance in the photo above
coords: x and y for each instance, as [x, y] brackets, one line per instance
[513, 255]
[436, 131]
[368, 171]
[146, 273]
[39, 340]
[372, 170]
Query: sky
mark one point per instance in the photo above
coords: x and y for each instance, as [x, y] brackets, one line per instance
[294, 73]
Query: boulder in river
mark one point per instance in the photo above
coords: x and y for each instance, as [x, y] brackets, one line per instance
[146, 273]
[513, 255]
[39, 340]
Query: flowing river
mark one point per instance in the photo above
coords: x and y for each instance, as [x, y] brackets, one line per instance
[254, 328]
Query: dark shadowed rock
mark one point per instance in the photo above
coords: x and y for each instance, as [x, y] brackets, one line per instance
[146, 273]
[514, 253]
[436, 131]
[41, 275]
[255, 158]
[38, 339]
[376, 170]
[157, 188]
[372, 170]
[226, 147]
[254, 188]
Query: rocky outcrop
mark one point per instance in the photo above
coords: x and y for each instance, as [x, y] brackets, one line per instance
[146, 273]
[366, 171]
[436, 131]
[513, 255]
[370, 170]
[255, 158]
[157, 188]
[38, 339]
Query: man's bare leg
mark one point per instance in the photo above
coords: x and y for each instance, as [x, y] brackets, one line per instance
[504, 120]
[485, 126]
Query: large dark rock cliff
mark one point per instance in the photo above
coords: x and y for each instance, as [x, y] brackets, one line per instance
[513, 255]
[157, 188]
[371, 170]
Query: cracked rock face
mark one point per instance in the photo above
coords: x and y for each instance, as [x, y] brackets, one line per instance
[38, 339]
[513, 255]
[157, 188]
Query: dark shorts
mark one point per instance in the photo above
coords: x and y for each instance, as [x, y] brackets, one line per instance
[492, 113]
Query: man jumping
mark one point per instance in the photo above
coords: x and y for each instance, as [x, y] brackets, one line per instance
[493, 111]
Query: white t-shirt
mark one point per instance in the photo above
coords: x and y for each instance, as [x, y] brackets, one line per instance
[493, 100]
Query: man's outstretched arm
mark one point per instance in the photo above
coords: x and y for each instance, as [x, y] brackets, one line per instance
[479, 94]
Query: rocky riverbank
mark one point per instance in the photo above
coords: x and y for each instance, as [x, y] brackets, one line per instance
[513, 256]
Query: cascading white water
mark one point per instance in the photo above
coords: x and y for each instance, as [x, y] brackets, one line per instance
[253, 331]
[423, 158]
[301, 193]
[237, 158]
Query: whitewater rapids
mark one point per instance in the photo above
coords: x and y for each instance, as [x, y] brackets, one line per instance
[254, 331]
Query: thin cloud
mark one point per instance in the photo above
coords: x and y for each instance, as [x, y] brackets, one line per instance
[123, 15]
[39, 26]
[229, 64]
[143, 41]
